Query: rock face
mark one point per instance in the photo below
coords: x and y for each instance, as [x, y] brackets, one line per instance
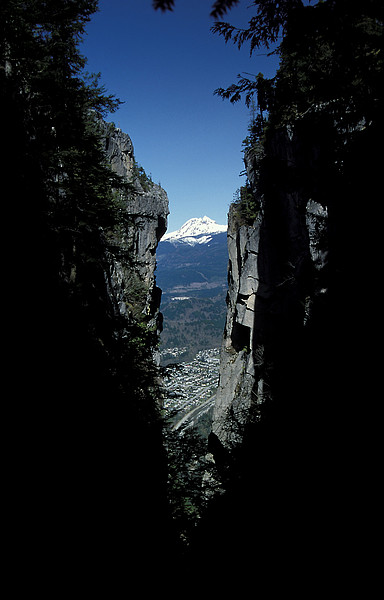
[119, 149]
[277, 282]
[237, 368]
[132, 281]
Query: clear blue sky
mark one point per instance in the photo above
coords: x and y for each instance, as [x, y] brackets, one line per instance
[165, 67]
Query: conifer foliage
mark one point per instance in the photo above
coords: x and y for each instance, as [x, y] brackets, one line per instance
[67, 197]
[85, 379]
[219, 7]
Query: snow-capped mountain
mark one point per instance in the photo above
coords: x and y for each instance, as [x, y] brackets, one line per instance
[195, 231]
[191, 271]
[193, 259]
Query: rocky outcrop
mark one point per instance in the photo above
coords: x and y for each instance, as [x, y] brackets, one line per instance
[119, 149]
[132, 279]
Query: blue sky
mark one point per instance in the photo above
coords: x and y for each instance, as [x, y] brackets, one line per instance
[165, 67]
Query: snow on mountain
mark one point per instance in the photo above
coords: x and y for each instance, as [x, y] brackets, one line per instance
[195, 231]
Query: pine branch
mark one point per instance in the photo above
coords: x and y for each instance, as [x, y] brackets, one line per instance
[163, 4]
[220, 7]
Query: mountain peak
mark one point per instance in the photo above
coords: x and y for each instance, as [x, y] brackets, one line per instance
[197, 230]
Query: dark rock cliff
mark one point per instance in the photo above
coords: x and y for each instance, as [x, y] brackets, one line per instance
[286, 433]
[277, 278]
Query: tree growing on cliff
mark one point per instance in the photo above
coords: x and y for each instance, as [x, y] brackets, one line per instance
[331, 52]
[331, 56]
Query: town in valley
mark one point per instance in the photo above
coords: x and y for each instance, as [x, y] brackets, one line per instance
[190, 387]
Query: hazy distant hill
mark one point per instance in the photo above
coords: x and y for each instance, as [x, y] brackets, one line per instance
[192, 273]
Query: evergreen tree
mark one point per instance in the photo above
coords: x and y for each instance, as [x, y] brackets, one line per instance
[342, 64]
[83, 375]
